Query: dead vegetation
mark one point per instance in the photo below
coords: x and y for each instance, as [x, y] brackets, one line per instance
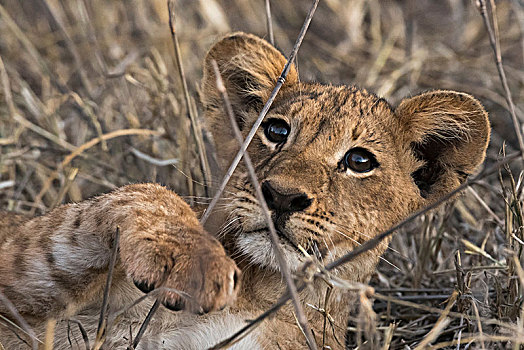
[91, 99]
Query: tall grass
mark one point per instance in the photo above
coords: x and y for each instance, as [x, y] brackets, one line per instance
[90, 99]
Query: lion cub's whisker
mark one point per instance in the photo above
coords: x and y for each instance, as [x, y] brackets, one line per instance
[381, 257]
[212, 181]
[206, 198]
[368, 236]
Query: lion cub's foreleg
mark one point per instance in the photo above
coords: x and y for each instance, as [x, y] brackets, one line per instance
[54, 264]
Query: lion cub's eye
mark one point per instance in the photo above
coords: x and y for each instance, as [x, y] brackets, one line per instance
[276, 130]
[359, 160]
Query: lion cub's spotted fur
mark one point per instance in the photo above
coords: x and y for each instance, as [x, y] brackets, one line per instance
[55, 266]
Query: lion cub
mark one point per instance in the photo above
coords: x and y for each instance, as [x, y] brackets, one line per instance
[337, 166]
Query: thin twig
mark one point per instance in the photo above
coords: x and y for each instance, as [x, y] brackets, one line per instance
[495, 45]
[486, 207]
[115, 315]
[472, 268]
[144, 325]
[102, 322]
[71, 46]
[153, 309]
[372, 243]
[253, 323]
[440, 325]
[7, 184]
[411, 27]
[21, 322]
[197, 132]
[479, 323]
[488, 321]
[256, 125]
[79, 150]
[24, 123]
[520, 274]
[460, 332]
[518, 9]
[4, 321]
[269, 23]
[277, 249]
[476, 338]
[364, 248]
[66, 185]
[30, 48]
[154, 161]
[7, 89]
[83, 332]
[198, 139]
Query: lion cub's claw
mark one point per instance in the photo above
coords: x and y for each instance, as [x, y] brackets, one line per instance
[144, 286]
[178, 305]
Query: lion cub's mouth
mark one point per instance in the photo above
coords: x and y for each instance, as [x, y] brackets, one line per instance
[282, 235]
[256, 244]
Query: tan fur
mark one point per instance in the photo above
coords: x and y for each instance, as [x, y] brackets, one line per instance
[55, 265]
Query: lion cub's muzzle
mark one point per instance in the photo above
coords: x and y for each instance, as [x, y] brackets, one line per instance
[289, 208]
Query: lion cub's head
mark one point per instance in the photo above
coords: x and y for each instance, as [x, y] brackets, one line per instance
[337, 164]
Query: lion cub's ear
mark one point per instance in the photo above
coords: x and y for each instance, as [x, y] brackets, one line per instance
[250, 67]
[448, 132]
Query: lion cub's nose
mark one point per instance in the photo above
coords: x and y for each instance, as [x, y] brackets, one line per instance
[282, 202]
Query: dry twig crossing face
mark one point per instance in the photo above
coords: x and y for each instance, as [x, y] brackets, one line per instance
[337, 164]
[54, 100]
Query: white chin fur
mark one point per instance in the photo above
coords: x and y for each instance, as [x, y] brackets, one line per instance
[257, 246]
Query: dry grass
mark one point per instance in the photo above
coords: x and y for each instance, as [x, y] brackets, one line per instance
[90, 99]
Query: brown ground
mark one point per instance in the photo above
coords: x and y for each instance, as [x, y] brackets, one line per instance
[90, 67]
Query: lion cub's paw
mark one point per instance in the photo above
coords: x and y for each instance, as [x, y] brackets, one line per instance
[193, 268]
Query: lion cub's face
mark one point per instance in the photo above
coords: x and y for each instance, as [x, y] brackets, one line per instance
[337, 165]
